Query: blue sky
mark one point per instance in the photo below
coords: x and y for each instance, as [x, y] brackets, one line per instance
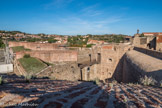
[74, 17]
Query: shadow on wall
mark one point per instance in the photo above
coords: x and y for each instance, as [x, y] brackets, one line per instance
[50, 93]
[152, 44]
[128, 72]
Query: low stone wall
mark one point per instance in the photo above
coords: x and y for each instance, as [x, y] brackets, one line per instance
[67, 71]
[50, 56]
[6, 68]
[18, 68]
[36, 46]
[63, 71]
[149, 52]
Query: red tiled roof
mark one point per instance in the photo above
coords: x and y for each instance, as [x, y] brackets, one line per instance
[159, 39]
[107, 47]
[128, 37]
[152, 33]
[92, 40]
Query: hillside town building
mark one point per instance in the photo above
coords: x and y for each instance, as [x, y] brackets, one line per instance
[150, 40]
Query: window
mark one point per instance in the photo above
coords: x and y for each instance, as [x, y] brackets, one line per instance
[88, 69]
[109, 60]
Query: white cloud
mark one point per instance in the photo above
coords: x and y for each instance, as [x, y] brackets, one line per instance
[57, 3]
[75, 25]
[91, 11]
[87, 20]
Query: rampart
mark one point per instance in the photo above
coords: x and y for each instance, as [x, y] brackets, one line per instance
[36, 46]
[125, 64]
[150, 52]
[135, 65]
[51, 56]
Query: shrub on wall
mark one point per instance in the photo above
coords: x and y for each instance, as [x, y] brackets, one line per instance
[89, 45]
[28, 77]
[1, 80]
[27, 56]
[161, 83]
[147, 81]
[2, 45]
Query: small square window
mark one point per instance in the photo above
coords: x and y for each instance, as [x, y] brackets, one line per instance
[109, 60]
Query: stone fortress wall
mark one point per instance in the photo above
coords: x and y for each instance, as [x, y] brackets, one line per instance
[125, 64]
[45, 51]
[110, 56]
[85, 54]
[36, 46]
[65, 61]
[121, 62]
[135, 65]
[150, 52]
[159, 42]
[51, 56]
[63, 71]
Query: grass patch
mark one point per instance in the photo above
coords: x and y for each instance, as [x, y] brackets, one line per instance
[32, 65]
[1, 80]
[161, 83]
[89, 45]
[27, 56]
[19, 48]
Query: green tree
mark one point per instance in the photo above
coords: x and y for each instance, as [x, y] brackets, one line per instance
[52, 40]
[142, 35]
[2, 45]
